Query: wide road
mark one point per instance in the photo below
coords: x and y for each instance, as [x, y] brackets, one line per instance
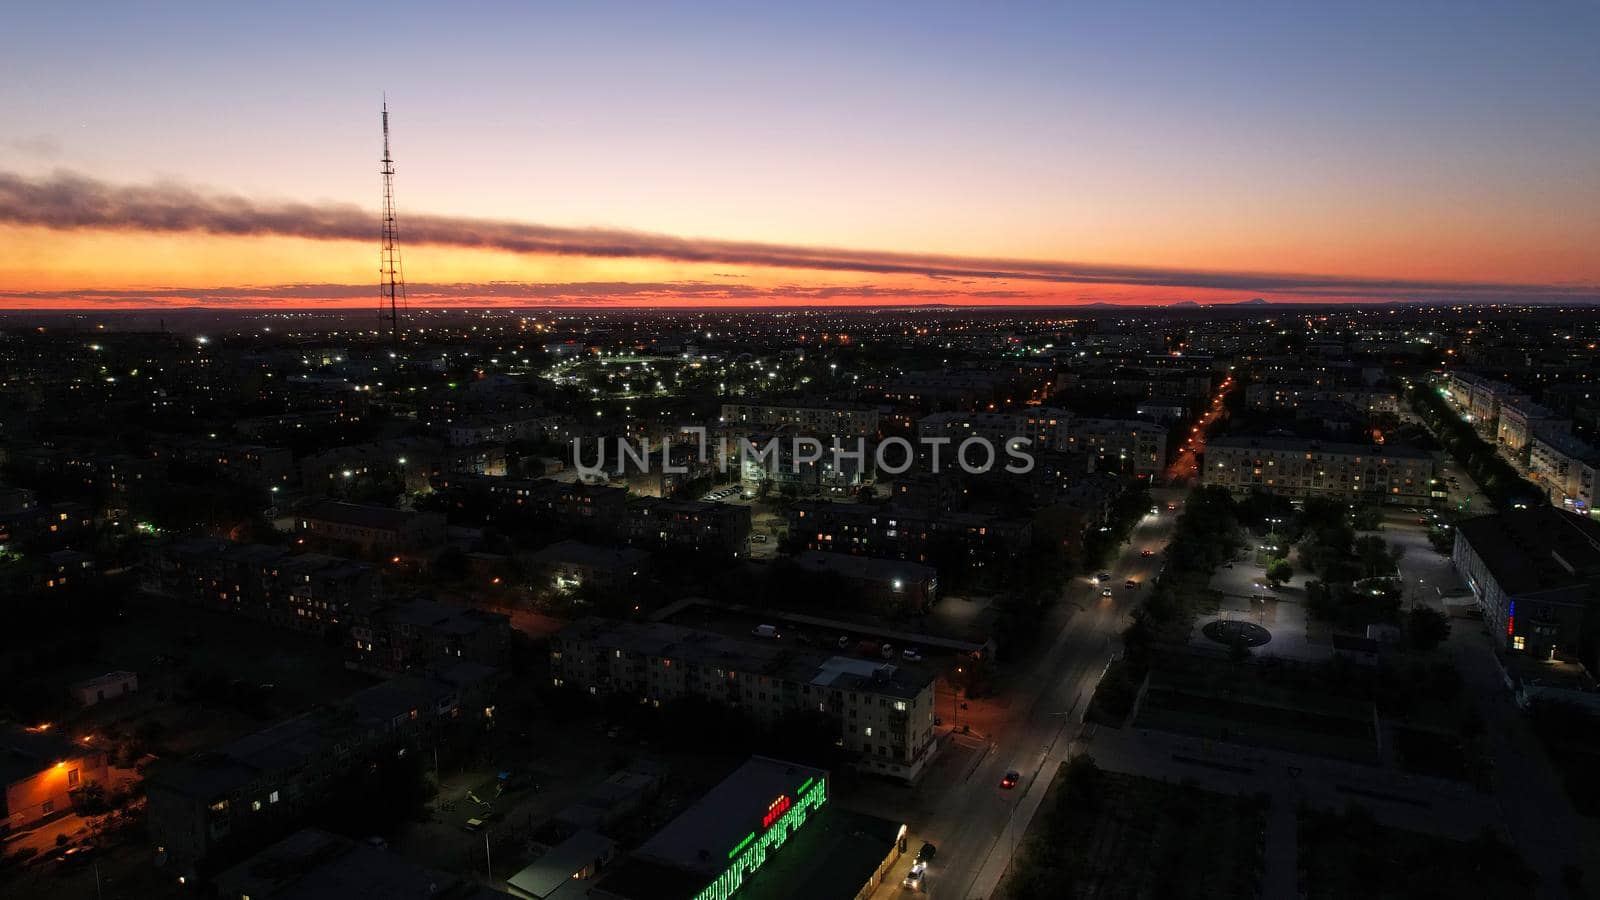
[974, 822]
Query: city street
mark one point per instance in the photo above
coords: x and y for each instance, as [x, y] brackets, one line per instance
[974, 822]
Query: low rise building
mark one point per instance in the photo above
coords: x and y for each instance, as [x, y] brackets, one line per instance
[896, 532]
[40, 768]
[884, 713]
[307, 591]
[570, 565]
[1536, 575]
[257, 785]
[1568, 469]
[1133, 445]
[887, 584]
[815, 417]
[110, 686]
[693, 525]
[714, 849]
[374, 530]
[1521, 421]
[1352, 473]
[313, 864]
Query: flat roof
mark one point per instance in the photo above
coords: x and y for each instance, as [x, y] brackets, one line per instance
[314, 865]
[701, 838]
[772, 658]
[832, 858]
[1303, 445]
[1537, 550]
[864, 567]
[545, 875]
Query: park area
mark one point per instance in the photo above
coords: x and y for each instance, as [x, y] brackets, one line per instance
[1268, 705]
[1107, 835]
[1349, 856]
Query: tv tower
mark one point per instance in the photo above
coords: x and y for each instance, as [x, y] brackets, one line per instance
[391, 276]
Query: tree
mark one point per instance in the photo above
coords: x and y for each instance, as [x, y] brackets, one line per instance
[1426, 627]
[1375, 556]
[1279, 572]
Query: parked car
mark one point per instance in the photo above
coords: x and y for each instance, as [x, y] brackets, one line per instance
[766, 631]
[912, 654]
[928, 851]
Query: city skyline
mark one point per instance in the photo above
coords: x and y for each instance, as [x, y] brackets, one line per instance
[634, 157]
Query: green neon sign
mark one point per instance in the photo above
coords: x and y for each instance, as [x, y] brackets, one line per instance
[752, 852]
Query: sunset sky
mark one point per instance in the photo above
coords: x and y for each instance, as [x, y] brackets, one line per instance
[802, 153]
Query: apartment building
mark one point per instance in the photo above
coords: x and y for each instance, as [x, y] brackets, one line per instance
[505, 427]
[570, 565]
[418, 633]
[1567, 468]
[1353, 473]
[306, 591]
[1520, 421]
[371, 529]
[251, 788]
[816, 418]
[884, 712]
[692, 525]
[887, 584]
[896, 532]
[1132, 444]
[1477, 398]
[1288, 395]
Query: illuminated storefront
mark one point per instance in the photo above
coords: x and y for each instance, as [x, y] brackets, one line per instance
[784, 816]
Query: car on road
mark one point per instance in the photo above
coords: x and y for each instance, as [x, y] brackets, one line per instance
[914, 877]
[1105, 592]
[1103, 577]
[1155, 510]
[75, 856]
[911, 654]
[758, 538]
[1010, 780]
[1173, 506]
[928, 851]
[1147, 553]
[1131, 584]
[476, 823]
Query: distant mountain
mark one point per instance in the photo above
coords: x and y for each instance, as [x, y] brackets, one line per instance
[1186, 303]
[1254, 301]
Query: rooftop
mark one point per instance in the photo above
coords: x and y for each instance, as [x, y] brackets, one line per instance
[703, 836]
[1537, 550]
[314, 865]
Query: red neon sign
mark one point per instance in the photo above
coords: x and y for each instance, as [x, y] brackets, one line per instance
[775, 810]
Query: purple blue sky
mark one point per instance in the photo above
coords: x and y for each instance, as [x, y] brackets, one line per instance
[1353, 151]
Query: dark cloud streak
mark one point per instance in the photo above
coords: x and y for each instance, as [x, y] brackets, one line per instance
[69, 201]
